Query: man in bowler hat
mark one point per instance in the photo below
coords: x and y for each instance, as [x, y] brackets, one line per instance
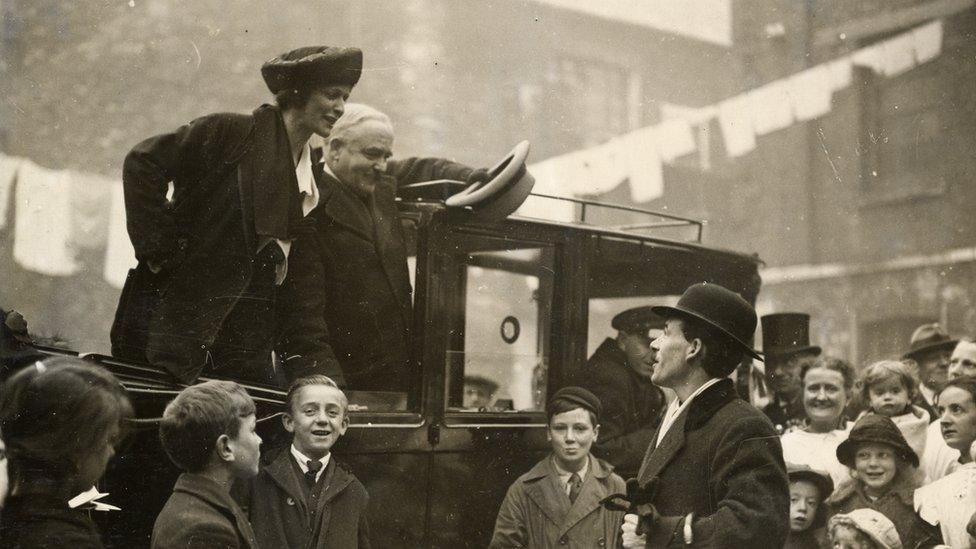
[931, 348]
[211, 256]
[619, 374]
[714, 474]
[786, 349]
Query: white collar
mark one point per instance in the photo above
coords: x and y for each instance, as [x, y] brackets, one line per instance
[303, 460]
[564, 475]
[303, 171]
[675, 409]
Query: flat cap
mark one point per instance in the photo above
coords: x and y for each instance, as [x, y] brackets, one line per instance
[313, 66]
[579, 396]
[637, 319]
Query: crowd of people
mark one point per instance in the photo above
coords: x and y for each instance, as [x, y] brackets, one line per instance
[264, 244]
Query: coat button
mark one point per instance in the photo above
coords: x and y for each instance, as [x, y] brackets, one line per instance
[602, 542]
[563, 540]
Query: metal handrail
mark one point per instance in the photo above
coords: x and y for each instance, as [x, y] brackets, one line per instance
[677, 220]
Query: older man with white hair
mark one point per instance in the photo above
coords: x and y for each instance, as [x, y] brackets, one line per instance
[346, 304]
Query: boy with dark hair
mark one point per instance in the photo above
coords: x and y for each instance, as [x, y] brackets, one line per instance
[558, 501]
[302, 497]
[208, 432]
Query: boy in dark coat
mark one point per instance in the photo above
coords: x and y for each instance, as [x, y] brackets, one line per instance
[208, 432]
[714, 474]
[302, 498]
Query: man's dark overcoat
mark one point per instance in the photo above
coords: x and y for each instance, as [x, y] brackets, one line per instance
[347, 302]
[214, 292]
[721, 460]
[278, 506]
[632, 408]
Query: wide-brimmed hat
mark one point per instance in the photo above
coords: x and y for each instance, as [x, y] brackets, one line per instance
[313, 66]
[786, 334]
[874, 525]
[820, 479]
[878, 429]
[929, 337]
[637, 319]
[721, 309]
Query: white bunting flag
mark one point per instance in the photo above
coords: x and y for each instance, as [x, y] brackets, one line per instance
[8, 169]
[810, 93]
[871, 57]
[771, 107]
[840, 73]
[735, 118]
[43, 223]
[643, 164]
[899, 54]
[119, 254]
[674, 138]
[928, 41]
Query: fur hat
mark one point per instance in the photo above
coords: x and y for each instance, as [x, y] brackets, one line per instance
[313, 66]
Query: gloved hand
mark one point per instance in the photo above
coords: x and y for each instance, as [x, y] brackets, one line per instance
[479, 175]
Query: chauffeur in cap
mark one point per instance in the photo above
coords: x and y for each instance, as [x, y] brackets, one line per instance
[786, 349]
[930, 348]
[211, 256]
[714, 474]
[619, 373]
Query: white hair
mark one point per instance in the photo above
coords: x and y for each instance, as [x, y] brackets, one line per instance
[354, 115]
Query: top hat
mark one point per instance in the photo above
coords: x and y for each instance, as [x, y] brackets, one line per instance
[579, 396]
[719, 308]
[786, 334]
[637, 319]
[878, 429]
[929, 337]
[313, 66]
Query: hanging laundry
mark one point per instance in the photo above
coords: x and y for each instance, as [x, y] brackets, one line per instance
[810, 93]
[119, 254]
[771, 107]
[43, 224]
[644, 169]
[603, 169]
[90, 195]
[928, 41]
[8, 171]
[899, 54]
[735, 118]
[871, 57]
[674, 138]
[840, 73]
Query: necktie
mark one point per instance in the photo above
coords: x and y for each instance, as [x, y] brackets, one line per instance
[575, 485]
[314, 466]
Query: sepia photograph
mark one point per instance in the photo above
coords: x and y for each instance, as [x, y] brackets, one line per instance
[487, 273]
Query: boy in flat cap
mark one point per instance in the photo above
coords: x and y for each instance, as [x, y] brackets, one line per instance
[619, 374]
[714, 474]
[210, 257]
[557, 503]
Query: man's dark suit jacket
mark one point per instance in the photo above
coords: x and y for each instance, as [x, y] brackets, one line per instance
[632, 407]
[721, 460]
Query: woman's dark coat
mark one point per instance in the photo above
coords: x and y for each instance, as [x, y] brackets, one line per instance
[346, 306]
[213, 293]
[722, 461]
[42, 522]
[632, 407]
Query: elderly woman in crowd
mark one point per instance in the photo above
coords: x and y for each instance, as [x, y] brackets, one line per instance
[827, 389]
[61, 420]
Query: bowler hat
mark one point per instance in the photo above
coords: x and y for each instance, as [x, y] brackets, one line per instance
[637, 319]
[929, 337]
[878, 429]
[579, 396]
[786, 334]
[313, 66]
[719, 308]
[820, 479]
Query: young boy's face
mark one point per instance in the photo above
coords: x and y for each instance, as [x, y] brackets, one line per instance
[317, 419]
[888, 397]
[804, 501]
[247, 449]
[845, 537]
[876, 466]
[571, 434]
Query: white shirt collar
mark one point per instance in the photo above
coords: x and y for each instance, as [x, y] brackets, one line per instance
[927, 394]
[675, 409]
[303, 460]
[564, 475]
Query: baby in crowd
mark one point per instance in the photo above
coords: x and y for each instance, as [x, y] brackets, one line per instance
[883, 478]
[808, 489]
[208, 431]
[302, 497]
[888, 388]
[863, 529]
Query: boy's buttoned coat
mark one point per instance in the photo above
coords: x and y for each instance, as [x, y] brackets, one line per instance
[721, 460]
[200, 514]
[537, 512]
